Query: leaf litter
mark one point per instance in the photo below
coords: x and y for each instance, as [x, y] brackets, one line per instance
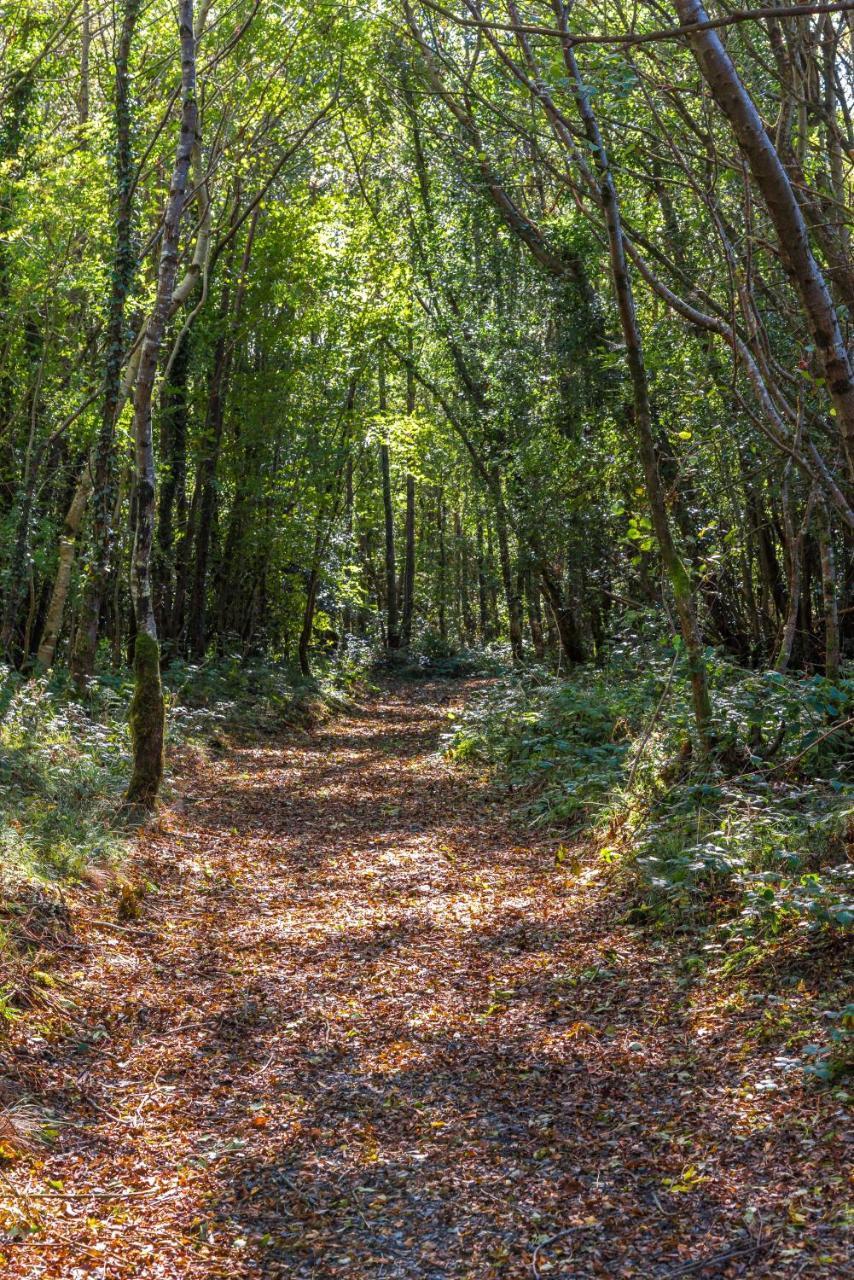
[361, 1024]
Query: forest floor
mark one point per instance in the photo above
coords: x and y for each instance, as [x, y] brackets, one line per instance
[364, 1027]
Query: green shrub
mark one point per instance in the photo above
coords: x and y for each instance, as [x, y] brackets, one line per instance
[65, 760]
[767, 821]
[63, 767]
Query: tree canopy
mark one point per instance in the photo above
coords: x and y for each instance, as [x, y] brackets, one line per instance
[560, 297]
[343, 345]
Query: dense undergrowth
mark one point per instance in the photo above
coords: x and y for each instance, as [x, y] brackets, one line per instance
[753, 842]
[746, 850]
[65, 760]
[607, 754]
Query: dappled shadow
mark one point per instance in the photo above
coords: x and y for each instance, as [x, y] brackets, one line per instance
[472, 1156]
[364, 1028]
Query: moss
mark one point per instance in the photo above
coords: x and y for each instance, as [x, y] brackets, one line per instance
[147, 716]
[679, 580]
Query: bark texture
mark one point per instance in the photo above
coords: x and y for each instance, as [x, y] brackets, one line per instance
[149, 725]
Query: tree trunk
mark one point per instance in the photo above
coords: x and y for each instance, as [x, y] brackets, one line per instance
[320, 542]
[484, 625]
[18, 94]
[124, 268]
[308, 619]
[467, 622]
[206, 479]
[794, 565]
[220, 378]
[85, 46]
[409, 566]
[511, 593]
[147, 707]
[673, 566]
[442, 566]
[535, 617]
[183, 557]
[20, 565]
[62, 582]
[563, 614]
[349, 525]
[785, 212]
[830, 606]
[173, 444]
[392, 632]
[491, 584]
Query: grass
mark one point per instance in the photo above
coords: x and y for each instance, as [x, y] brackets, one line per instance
[65, 761]
[62, 770]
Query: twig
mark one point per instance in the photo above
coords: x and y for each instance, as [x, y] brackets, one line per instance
[133, 930]
[122, 1193]
[653, 721]
[667, 1213]
[790, 760]
[843, 724]
[545, 1244]
[690, 1267]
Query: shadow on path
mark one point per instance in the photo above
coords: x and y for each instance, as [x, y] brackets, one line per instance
[365, 1029]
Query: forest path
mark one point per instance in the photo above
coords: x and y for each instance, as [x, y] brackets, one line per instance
[364, 1028]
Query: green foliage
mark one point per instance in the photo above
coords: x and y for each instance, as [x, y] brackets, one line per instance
[231, 695]
[64, 761]
[764, 840]
[62, 766]
[829, 1062]
[553, 740]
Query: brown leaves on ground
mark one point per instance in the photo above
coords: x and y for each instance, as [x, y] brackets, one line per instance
[362, 1027]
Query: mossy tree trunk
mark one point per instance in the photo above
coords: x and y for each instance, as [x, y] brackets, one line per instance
[674, 568]
[67, 545]
[104, 478]
[19, 572]
[392, 621]
[18, 93]
[147, 707]
[147, 723]
[830, 605]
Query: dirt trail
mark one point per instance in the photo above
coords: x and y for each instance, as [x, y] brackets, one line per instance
[364, 1028]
